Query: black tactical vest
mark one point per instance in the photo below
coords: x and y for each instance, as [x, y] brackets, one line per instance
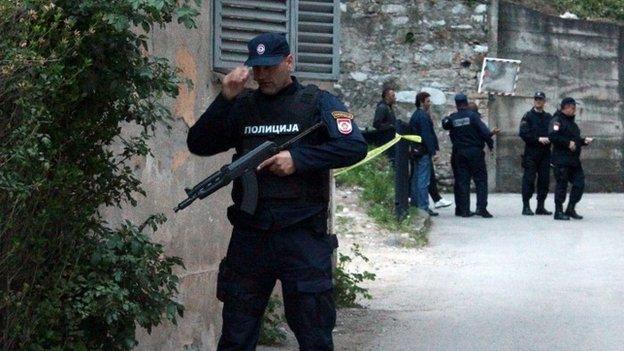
[279, 120]
[464, 134]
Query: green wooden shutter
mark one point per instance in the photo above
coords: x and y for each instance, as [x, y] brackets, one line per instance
[318, 46]
[238, 21]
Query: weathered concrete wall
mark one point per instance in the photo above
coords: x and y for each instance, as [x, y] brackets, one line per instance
[200, 233]
[575, 58]
[412, 45]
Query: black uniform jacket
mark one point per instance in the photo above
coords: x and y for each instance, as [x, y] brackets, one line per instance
[562, 131]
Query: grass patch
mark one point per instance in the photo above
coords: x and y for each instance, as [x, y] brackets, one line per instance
[376, 179]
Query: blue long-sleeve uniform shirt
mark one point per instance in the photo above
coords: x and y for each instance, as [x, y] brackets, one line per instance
[219, 130]
[467, 130]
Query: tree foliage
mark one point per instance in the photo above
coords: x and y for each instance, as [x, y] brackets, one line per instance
[603, 9]
[72, 74]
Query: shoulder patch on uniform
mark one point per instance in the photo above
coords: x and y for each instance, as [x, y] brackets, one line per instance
[556, 126]
[344, 125]
[342, 114]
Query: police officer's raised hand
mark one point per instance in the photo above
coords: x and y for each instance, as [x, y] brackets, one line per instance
[572, 146]
[234, 82]
[281, 164]
[544, 140]
[588, 141]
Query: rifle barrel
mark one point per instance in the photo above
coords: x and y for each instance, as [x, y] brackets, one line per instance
[290, 142]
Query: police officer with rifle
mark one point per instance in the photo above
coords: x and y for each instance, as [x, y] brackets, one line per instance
[282, 234]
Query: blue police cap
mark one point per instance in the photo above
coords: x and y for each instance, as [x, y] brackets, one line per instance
[539, 95]
[568, 101]
[267, 49]
[461, 97]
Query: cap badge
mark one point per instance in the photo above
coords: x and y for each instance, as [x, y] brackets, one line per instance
[260, 49]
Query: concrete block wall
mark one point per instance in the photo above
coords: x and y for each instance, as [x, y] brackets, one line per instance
[563, 57]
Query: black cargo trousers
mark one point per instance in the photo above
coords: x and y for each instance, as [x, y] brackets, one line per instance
[536, 164]
[300, 256]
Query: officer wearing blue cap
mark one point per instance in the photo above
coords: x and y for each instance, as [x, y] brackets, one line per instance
[469, 136]
[536, 157]
[287, 237]
[567, 141]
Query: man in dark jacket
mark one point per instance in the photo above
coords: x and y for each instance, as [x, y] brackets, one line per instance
[286, 238]
[384, 113]
[536, 159]
[421, 124]
[469, 136]
[567, 141]
[385, 119]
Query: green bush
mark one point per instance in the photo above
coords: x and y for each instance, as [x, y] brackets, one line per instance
[72, 73]
[347, 287]
[607, 9]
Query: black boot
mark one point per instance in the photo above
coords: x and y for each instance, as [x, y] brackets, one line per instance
[559, 215]
[571, 212]
[526, 209]
[483, 213]
[541, 210]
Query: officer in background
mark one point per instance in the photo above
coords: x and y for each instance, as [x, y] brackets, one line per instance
[567, 141]
[469, 136]
[474, 107]
[287, 237]
[536, 158]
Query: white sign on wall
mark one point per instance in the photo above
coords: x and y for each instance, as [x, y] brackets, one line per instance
[499, 76]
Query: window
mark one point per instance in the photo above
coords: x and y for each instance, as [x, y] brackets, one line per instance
[310, 26]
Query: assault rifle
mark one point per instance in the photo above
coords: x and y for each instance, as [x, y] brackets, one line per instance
[244, 167]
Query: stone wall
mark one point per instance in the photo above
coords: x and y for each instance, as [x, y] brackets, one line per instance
[563, 57]
[413, 46]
